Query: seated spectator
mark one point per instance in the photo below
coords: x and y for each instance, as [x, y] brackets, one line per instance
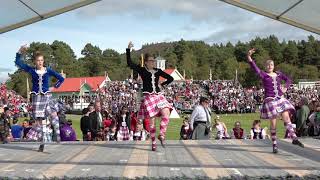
[185, 132]
[237, 132]
[26, 127]
[67, 133]
[139, 134]
[222, 131]
[256, 131]
[47, 132]
[35, 133]
[16, 130]
[123, 123]
[112, 133]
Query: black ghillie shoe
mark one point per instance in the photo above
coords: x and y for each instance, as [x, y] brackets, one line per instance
[153, 147]
[275, 149]
[41, 148]
[297, 142]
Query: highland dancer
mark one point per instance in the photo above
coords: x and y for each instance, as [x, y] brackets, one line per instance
[274, 103]
[43, 106]
[154, 103]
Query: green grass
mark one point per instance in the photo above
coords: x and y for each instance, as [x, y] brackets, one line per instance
[173, 131]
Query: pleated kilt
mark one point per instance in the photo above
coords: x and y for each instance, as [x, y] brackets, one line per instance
[273, 107]
[152, 104]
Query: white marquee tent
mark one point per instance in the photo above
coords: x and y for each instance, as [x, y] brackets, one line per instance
[304, 14]
[19, 13]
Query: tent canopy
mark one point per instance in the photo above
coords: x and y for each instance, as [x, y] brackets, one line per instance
[304, 14]
[18, 13]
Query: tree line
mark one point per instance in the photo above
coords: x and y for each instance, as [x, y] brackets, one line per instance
[297, 59]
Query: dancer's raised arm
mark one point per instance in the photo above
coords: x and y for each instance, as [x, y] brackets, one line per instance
[131, 64]
[19, 61]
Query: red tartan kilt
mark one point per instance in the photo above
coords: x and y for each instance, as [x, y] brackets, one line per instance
[151, 106]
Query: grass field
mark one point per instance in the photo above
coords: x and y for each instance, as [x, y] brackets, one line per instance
[173, 131]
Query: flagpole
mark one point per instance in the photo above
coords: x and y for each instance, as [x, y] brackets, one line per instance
[28, 94]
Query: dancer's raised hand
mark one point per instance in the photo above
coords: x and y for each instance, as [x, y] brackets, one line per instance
[130, 45]
[249, 54]
[23, 49]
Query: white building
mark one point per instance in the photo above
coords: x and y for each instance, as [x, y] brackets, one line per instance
[308, 84]
[161, 64]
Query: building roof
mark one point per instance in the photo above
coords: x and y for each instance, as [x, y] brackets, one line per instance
[173, 72]
[169, 71]
[74, 84]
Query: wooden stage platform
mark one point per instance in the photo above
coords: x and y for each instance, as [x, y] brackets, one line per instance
[180, 158]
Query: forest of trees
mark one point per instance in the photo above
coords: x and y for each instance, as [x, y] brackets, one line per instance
[298, 59]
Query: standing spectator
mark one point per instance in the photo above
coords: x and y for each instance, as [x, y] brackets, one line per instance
[302, 116]
[314, 129]
[91, 107]
[5, 125]
[96, 125]
[85, 125]
[16, 130]
[237, 132]
[200, 120]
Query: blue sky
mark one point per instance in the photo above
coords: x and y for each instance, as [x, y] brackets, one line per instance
[112, 23]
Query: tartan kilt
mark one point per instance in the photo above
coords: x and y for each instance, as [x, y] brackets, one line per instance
[43, 105]
[271, 108]
[123, 133]
[151, 106]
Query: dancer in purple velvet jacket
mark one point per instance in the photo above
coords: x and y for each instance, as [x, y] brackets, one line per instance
[274, 103]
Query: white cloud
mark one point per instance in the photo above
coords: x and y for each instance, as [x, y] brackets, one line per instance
[204, 10]
[224, 22]
[3, 77]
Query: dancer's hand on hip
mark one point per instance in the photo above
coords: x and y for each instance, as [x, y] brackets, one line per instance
[283, 89]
